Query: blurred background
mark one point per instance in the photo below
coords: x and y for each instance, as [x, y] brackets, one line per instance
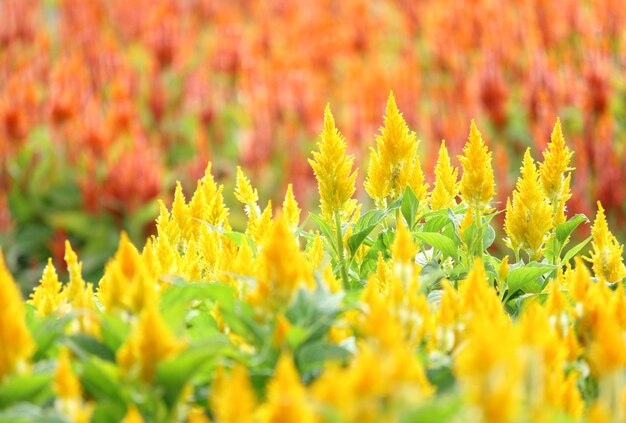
[104, 104]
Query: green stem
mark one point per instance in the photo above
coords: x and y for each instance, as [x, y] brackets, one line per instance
[341, 258]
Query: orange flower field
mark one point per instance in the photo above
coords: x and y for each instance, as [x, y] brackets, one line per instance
[242, 211]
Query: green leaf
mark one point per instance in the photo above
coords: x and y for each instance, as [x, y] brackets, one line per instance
[526, 278]
[172, 375]
[100, 380]
[355, 241]
[33, 388]
[576, 249]
[29, 413]
[326, 231]
[84, 346]
[409, 206]
[564, 230]
[107, 411]
[47, 331]
[436, 224]
[114, 331]
[438, 241]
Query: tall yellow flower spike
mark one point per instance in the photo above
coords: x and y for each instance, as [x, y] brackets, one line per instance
[47, 297]
[333, 171]
[477, 182]
[395, 164]
[555, 164]
[446, 186]
[16, 342]
[291, 209]
[69, 391]
[246, 194]
[527, 220]
[149, 344]
[606, 254]
[232, 398]
[287, 400]
[76, 284]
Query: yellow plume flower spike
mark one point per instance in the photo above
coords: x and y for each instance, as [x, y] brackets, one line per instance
[606, 254]
[180, 212]
[47, 297]
[76, 284]
[150, 343]
[446, 186]
[232, 397]
[333, 170]
[377, 184]
[291, 209]
[315, 253]
[403, 248]
[16, 342]
[528, 219]
[283, 264]
[243, 189]
[416, 179]
[477, 182]
[132, 416]
[395, 164]
[286, 397]
[396, 142]
[66, 384]
[556, 160]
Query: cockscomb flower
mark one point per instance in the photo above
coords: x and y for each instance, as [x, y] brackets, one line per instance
[446, 186]
[477, 181]
[69, 391]
[15, 340]
[333, 171]
[283, 266]
[150, 343]
[394, 164]
[47, 297]
[527, 219]
[606, 254]
[287, 400]
[232, 398]
[291, 209]
[246, 194]
[555, 164]
[490, 369]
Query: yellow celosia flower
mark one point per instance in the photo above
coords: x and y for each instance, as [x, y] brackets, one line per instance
[446, 186]
[403, 248]
[258, 227]
[196, 414]
[477, 182]
[527, 219]
[66, 384]
[315, 253]
[283, 266]
[127, 283]
[47, 297]
[207, 203]
[333, 170]
[555, 164]
[477, 297]
[232, 398]
[150, 343]
[607, 353]
[16, 342]
[291, 209]
[395, 164]
[76, 284]
[490, 370]
[132, 415]
[606, 253]
[287, 400]
[243, 189]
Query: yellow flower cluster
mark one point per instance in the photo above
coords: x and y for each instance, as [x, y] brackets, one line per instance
[382, 317]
